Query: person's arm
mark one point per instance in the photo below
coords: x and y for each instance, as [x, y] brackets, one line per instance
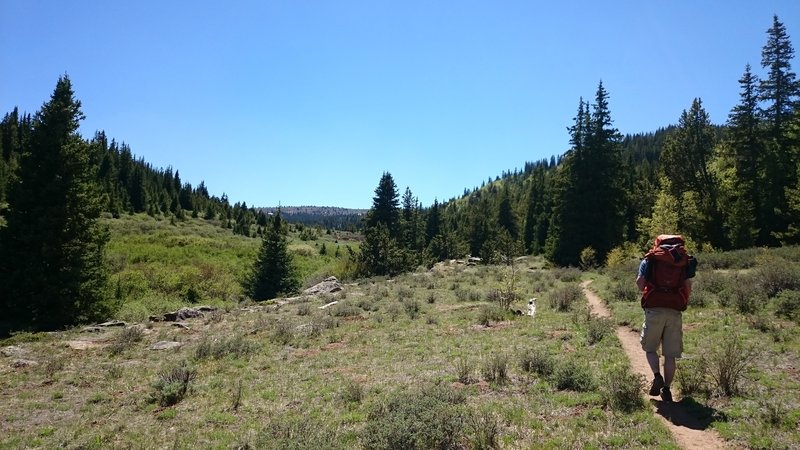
[640, 281]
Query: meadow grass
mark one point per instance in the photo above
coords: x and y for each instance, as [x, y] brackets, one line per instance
[292, 375]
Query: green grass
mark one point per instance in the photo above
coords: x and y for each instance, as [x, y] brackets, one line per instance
[269, 376]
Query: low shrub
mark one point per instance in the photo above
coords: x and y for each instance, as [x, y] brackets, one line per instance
[125, 339]
[352, 392]
[538, 361]
[622, 389]
[172, 384]
[429, 418]
[788, 305]
[464, 370]
[776, 275]
[563, 299]
[745, 294]
[215, 348]
[483, 430]
[490, 313]
[569, 375]
[728, 362]
[692, 377]
[567, 274]
[624, 291]
[597, 328]
[344, 310]
[495, 368]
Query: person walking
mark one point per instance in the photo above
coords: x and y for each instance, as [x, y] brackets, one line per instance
[664, 280]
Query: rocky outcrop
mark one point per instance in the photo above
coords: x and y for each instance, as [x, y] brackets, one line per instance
[328, 286]
[183, 314]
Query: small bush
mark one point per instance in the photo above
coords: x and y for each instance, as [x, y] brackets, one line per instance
[691, 376]
[282, 333]
[571, 376]
[624, 291]
[588, 258]
[710, 281]
[304, 309]
[484, 430]
[567, 274]
[464, 370]
[490, 313]
[622, 390]
[219, 348]
[745, 294]
[344, 310]
[172, 385]
[412, 308]
[537, 361]
[564, 298]
[788, 305]
[352, 392]
[776, 275]
[728, 363]
[597, 328]
[431, 299]
[429, 418]
[495, 368]
[125, 339]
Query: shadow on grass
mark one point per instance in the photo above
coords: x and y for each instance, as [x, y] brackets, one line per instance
[689, 413]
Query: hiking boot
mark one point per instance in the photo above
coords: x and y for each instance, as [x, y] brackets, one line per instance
[666, 394]
[658, 383]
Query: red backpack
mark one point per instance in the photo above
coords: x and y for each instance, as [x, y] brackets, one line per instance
[668, 267]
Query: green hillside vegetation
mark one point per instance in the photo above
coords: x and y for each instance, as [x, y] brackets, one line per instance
[158, 265]
[428, 359]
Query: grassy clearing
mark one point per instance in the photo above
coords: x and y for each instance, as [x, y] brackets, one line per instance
[385, 362]
[395, 362]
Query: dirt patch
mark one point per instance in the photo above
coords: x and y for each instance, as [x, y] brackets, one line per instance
[690, 432]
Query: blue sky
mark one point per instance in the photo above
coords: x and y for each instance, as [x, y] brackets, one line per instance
[309, 102]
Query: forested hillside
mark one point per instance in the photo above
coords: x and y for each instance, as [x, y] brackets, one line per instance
[724, 186]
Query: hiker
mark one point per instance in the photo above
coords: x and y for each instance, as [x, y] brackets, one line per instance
[665, 282]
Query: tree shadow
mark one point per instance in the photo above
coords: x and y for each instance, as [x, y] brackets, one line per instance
[689, 413]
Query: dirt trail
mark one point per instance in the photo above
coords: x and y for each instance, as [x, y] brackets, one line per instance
[689, 431]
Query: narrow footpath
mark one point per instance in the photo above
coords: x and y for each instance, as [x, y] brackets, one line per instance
[689, 432]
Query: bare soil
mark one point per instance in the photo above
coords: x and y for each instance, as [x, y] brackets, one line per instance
[690, 432]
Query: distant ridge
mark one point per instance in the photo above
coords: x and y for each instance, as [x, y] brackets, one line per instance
[331, 217]
[325, 211]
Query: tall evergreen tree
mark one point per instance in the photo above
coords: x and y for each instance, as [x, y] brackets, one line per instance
[52, 272]
[274, 271]
[385, 206]
[744, 151]
[779, 93]
[686, 162]
[589, 195]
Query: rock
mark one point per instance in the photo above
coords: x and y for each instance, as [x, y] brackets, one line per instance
[327, 286]
[329, 304]
[82, 344]
[206, 308]
[13, 350]
[182, 314]
[113, 323]
[180, 325]
[165, 345]
[22, 363]
[91, 330]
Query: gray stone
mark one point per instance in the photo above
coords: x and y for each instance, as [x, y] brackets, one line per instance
[166, 345]
[22, 363]
[113, 323]
[327, 286]
[13, 350]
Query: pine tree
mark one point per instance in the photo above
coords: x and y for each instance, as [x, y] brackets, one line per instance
[685, 161]
[52, 272]
[385, 206]
[274, 271]
[779, 93]
[744, 151]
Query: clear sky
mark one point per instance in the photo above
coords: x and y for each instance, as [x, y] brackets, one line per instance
[308, 102]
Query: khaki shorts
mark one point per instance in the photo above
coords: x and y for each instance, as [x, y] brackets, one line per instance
[662, 326]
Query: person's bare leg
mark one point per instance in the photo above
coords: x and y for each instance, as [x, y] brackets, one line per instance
[652, 359]
[669, 370]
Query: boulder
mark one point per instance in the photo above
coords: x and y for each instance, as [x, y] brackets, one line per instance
[22, 363]
[182, 314]
[166, 345]
[113, 323]
[13, 351]
[327, 286]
